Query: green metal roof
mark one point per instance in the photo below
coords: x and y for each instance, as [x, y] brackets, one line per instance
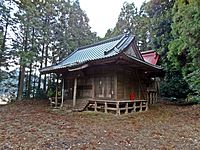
[100, 50]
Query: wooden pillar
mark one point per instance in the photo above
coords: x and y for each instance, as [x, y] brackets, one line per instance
[139, 90]
[75, 90]
[56, 98]
[115, 86]
[150, 97]
[63, 90]
[156, 96]
[93, 88]
[153, 97]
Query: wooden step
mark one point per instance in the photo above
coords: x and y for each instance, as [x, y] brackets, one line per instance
[80, 105]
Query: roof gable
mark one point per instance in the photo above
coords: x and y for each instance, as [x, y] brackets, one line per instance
[133, 50]
[150, 56]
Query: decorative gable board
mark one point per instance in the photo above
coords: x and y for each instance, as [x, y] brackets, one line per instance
[133, 50]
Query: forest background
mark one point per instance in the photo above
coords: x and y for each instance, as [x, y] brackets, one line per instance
[38, 33]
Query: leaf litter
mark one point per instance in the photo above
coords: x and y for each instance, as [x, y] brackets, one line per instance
[34, 125]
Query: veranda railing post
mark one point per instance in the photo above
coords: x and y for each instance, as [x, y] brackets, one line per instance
[134, 106]
[141, 106]
[106, 107]
[146, 106]
[95, 106]
[126, 112]
[117, 108]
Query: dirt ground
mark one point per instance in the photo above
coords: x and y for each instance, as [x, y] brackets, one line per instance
[34, 125]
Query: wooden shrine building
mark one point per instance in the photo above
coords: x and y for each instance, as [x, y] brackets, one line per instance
[107, 73]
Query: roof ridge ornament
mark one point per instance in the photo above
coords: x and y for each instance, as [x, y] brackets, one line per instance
[128, 32]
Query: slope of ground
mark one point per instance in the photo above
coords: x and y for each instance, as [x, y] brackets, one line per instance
[34, 125]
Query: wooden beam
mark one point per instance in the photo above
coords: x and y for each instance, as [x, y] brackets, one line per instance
[75, 90]
[79, 68]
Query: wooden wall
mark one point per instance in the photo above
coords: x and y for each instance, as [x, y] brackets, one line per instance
[96, 82]
[84, 88]
[68, 89]
[108, 82]
[130, 82]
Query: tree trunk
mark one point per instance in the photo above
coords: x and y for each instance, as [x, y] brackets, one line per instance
[3, 47]
[4, 37]
[26, 84]
[22, 67]
[29, 82]
[18, 85]
[41, 65]
[45, 65]
[34, 82]
[21, 82]
[30, 67]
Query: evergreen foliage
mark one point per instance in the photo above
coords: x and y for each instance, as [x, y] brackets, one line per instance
[174, 85]
[43, 32]
[38, 33]
[172, 29]
[160, 16]
[5, 23]
[184, 51]
[134, 21]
